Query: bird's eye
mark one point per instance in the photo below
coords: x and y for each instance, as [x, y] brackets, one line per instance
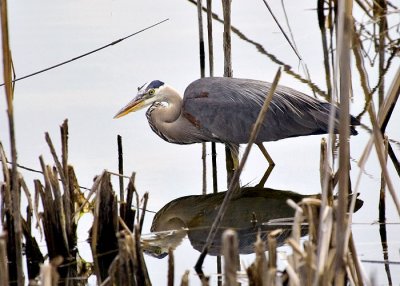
[151, 91]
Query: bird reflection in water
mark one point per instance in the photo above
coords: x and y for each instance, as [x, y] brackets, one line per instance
[251, 210]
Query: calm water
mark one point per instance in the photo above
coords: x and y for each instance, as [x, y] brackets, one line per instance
[90, 91]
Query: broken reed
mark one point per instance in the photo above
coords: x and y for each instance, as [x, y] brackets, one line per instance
[63, 203]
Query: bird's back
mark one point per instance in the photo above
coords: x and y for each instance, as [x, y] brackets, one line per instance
[228, 108]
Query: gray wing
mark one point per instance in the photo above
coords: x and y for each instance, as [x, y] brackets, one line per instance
[228, 107]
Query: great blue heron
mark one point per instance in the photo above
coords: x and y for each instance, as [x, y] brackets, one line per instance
[220, 109]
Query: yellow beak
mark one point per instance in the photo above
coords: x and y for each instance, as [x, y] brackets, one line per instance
[132, 106]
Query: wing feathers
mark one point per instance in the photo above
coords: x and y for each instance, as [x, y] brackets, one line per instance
[228, 108]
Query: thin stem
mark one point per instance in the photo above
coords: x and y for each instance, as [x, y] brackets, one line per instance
[120, 168]
[15, 195]
[280, 28]
[202, 74]
[345, 25]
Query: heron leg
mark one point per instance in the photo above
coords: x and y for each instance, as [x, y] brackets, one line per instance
[266, 154]
[265, 177]
[270, 167]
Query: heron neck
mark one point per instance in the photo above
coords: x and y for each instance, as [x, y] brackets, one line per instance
[169, 123]
[171, 112]
[164, 119]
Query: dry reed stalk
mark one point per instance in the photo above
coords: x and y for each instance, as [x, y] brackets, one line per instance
[125, 272]
[226, 7]
[16, 232]
[5, 185]
[33, 254]
[121, 170]
[325, 234]
[64, 219]
[232, 151]
[126, 212]
[390, 100]
[294, 279]
[382, 218]
[325, 171]
[48, 272]
[322, 28]
[142, 275]
[230, 253]
[55, 158]
[298, 218]
[309, 266]
[68, 194]
[210, 38]
[202, 74]
[3, 260]
[31, 207]
[185, 278]
[312, 221]
[234, 184]
[364, 81]
[296, 233]
[380, 12]
[211, 72]
[86, 200]
[327, 179]
[361, 278]
[257, 272]
[213, 144]
[103, 238]
[204, 162]
[351, 270]
[201, 38]
[345, 36]
[271, 278]
[6, 248]
[145, 199]
[295, 247]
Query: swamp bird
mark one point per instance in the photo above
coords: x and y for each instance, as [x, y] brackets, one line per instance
[222, 109]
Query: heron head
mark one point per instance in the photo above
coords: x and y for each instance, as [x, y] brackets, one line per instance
[147, 94]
